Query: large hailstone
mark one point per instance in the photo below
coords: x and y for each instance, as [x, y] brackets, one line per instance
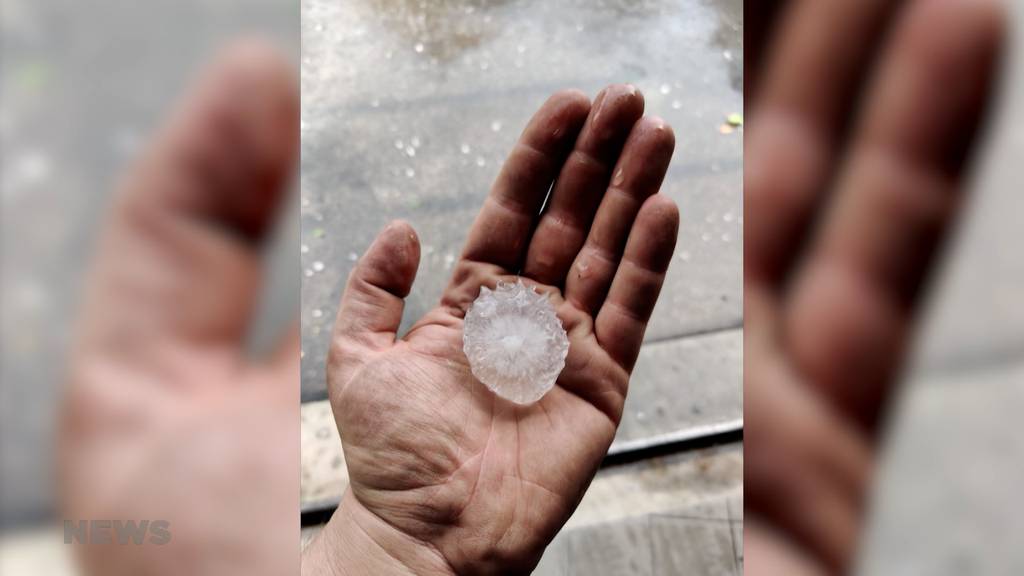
[515, 343]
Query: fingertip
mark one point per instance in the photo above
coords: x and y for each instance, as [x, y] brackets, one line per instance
[255, 59]
[661, 212]
[627, 96]
[657, 225]
[393, 258]
[555, 125]
[616, 110]
[401, 227]
[407, 239]
[572, 99]
[661, 207]
[660, 131]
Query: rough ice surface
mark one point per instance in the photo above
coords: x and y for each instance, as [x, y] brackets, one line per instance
[515, 343]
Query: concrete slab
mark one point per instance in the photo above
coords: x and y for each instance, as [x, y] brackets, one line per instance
[619, 548]
[683, 385]
[683, 545]
[323, 477]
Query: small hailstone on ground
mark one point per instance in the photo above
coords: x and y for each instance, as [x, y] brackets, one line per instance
[515, 343]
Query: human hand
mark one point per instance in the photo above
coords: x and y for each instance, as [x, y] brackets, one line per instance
[165, 417]
[445, 476]
[843, 219]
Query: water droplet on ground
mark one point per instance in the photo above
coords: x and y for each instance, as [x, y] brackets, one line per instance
[318, 266]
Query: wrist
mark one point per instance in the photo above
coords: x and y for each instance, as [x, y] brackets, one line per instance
[357, 542]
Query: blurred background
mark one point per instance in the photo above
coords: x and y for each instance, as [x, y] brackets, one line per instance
[947, 495]
[82, 87]
[409, 108]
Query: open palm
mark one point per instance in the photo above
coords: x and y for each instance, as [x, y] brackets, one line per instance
[431, 452]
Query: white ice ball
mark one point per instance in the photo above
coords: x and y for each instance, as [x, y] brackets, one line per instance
[514, 341]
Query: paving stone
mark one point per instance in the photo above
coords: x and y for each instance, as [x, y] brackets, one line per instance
[324, 476]
[737, 541]
[555, 561]
[617, 549]
[693, 546]
[735, 507]
[684, 385]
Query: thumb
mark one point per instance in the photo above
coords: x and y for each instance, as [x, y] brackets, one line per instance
[371, 308]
